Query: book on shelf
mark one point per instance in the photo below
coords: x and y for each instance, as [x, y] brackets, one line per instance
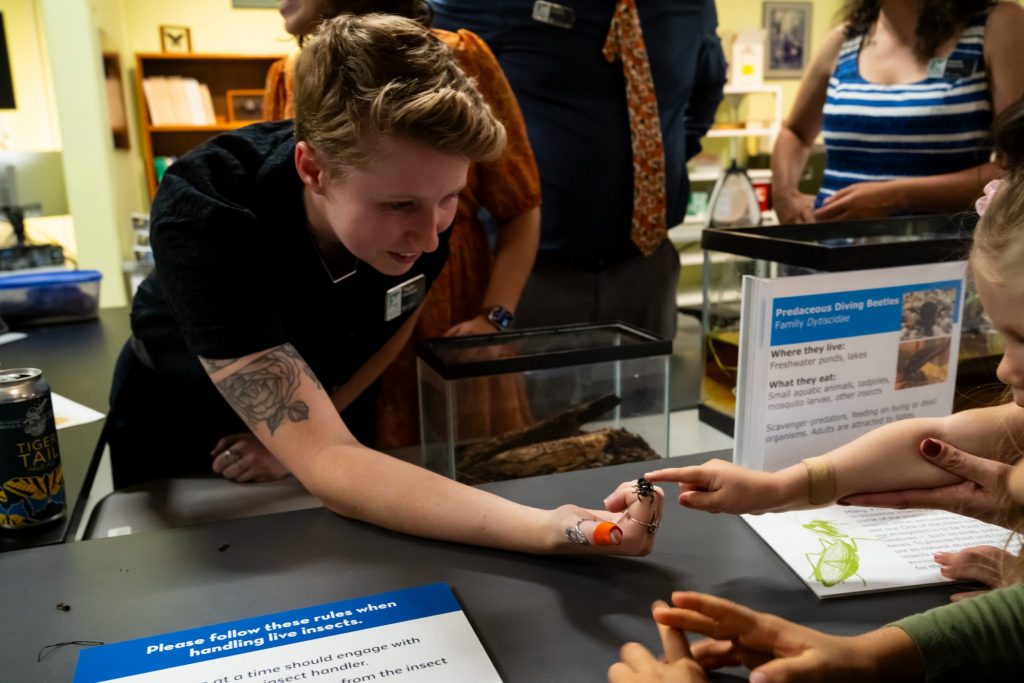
[194, 96]
[824, 358]
[178, 101]
[207, 102]
[842, 550]
[157, 102]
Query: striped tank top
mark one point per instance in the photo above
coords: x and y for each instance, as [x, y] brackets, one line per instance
[941, 124]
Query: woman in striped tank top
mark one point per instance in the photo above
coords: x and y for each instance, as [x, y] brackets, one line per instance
[904, 92]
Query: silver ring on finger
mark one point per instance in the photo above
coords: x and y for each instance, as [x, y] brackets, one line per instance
[652, 526]
[576, 535]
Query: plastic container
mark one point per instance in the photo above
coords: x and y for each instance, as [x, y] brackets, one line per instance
[528, 402]
[49, 297]
[794, 250]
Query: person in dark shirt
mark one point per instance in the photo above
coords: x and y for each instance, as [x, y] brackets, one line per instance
[575, 105]
[290, 266]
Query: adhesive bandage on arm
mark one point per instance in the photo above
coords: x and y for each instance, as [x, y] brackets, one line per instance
[821, 480]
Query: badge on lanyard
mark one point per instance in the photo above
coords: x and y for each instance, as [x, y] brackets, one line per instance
[951, 69]
[936, 67]
[404, 297]
[554, 15]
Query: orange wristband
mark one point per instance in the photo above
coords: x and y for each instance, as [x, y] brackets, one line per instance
[603, 534]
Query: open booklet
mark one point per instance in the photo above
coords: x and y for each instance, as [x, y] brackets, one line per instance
[420, 634]
[840, 550]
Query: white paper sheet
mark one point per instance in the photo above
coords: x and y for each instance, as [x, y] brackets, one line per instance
[9, 337]
[68, 413]
[840, 550]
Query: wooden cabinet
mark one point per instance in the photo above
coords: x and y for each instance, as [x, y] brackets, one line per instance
[220, 73]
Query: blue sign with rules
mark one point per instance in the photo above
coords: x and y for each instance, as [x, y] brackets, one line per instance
[171, 650]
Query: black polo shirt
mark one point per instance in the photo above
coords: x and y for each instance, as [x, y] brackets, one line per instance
[237, 270]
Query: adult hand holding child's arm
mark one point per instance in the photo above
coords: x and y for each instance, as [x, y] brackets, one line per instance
[978, 494]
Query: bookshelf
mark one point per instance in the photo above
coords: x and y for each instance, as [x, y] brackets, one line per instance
[220, 73]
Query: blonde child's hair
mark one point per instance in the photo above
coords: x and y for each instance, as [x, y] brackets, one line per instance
[997, 254]
[998, 248]
[360, 80]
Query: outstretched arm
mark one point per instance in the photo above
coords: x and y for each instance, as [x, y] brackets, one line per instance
[287, 409]
[884, 459]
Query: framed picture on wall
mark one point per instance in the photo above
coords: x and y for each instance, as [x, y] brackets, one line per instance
[789, 38]
[175, 39]
[245, 106]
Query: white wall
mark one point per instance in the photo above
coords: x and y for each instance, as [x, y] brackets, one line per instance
[64, 108]
[32, 127]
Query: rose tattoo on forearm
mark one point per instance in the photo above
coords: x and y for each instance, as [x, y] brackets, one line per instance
[264, 390]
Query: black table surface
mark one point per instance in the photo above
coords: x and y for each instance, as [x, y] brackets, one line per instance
[551, 618]
[77, 359]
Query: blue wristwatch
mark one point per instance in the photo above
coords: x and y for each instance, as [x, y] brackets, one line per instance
[500, 317]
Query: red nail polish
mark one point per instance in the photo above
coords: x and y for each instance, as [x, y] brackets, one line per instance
[931, 448]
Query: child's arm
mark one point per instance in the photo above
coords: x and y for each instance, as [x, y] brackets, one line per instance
[884, 459]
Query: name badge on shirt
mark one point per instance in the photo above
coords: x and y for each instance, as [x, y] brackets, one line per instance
[404, 297]
[951, 69]
[554, 15]
[936, 67]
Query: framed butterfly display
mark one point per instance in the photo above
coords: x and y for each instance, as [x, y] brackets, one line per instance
[175, 39]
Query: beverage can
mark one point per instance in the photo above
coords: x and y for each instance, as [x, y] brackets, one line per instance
[31, 476]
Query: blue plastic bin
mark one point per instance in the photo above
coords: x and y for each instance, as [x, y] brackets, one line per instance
[49, 297]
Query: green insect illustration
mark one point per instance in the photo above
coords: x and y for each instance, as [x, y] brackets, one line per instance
[838, 559]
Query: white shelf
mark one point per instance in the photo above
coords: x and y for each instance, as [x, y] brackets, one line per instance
[753, 90]
[689, 230]
[686, 232]
[696, 258]
[758, 132]
[696, 298]
[703, 176]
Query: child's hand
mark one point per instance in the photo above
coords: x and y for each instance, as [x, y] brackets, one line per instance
[720, 486]
[638, 665]
[779, 650]
[983, 563]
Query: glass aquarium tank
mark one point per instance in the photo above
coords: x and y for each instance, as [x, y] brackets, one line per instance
[514, 404]
[795, 250]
